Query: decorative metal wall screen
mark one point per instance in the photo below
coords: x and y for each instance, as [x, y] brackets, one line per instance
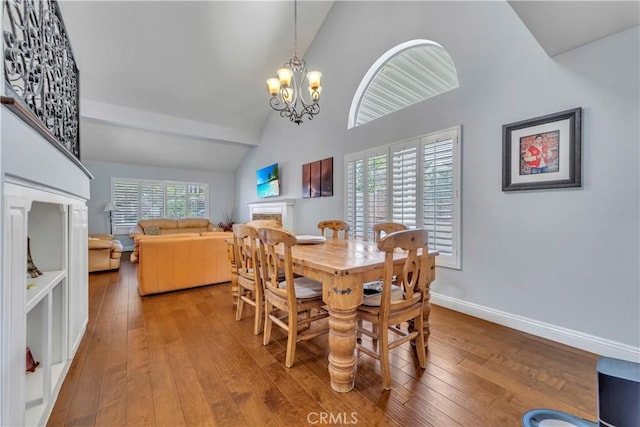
[39, 68]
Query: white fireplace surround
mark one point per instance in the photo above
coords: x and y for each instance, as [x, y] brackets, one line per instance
[284, 208]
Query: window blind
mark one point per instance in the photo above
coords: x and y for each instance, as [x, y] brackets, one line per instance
[198, 200]
[151, 199]
[125, 196]
[438, 194]
[176, 194]
[404, 183]
[377, 199]
[416, 183]
[143, 199]
[354, 194]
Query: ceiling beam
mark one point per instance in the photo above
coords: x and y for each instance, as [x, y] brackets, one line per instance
[145, 120]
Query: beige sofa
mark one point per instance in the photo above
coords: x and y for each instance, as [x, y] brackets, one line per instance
[180, 261]
[171, 226]
[104, 252]
[167, 227]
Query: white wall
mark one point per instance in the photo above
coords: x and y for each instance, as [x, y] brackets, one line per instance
[27, 156]
[221, 187]
[564, 261]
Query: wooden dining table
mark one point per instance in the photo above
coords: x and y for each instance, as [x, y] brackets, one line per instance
[343, 266]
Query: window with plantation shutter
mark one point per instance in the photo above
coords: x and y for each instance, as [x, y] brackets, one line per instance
[377, 198]
[354, 194]
[137, 199]
[125, 195]
[151, 199]
[416, 183]
[366, 191]
[197, 200]
[404, 183]
[176, 200]
[440, 193]
[408, 73]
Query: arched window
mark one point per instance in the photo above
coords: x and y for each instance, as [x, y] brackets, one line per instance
[408, 73]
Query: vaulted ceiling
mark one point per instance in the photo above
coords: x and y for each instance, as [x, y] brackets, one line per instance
[182, 83]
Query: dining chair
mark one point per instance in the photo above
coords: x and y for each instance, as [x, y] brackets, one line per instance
[336, 226]
[378, 229]
[294, 303]
[231, 256]
[397, 303]
[386, 228]
[267, 223]
[249, 281]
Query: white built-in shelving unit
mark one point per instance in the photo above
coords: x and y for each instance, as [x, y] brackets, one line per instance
[44, 200]
[44, 309]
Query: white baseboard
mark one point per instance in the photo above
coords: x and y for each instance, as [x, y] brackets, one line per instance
[570, 337]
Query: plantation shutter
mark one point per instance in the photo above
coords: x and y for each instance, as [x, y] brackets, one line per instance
[354, 195]
[151, 199]
[441, 194]
[176, 204]
[377, 197]
[404, 183]
[438, 195]
[144, 199]
[415, 183]
[124, 194]
[198, 195]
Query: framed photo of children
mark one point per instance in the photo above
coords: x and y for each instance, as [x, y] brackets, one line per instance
[542, 153]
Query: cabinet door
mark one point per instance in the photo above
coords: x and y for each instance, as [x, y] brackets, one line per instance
[14, 327]
[78, 276]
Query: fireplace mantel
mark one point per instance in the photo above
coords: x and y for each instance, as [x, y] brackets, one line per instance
[282, 208]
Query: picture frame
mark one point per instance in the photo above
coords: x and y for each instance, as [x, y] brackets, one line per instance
[306, 180]
[326, 181]
[543, 153]
[315, 178]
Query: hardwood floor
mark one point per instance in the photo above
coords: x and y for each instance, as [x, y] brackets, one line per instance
[181, 358]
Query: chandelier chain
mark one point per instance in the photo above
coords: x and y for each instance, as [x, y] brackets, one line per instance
[295, 28]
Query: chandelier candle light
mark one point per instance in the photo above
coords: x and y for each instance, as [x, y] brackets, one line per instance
[285, 90]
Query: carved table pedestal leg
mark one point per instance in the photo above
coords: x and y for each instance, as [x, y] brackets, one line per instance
[342, 342]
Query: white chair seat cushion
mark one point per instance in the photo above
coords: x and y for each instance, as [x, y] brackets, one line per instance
[305, 287]
[374, 300]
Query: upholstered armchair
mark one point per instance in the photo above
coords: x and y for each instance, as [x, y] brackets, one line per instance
[104, 252]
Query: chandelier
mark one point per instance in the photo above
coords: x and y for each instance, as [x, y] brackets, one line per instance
[286, 92]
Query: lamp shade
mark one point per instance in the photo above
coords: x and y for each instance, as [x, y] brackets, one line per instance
[314, 79]
[110, 206]
[285, 75]
[274, 86]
